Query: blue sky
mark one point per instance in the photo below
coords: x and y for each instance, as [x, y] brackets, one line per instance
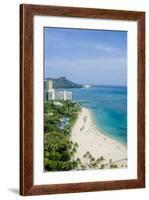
[86, 56]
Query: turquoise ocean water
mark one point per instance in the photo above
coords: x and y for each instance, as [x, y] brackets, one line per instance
[108, 106]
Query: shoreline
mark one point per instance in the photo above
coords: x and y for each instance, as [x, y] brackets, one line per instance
[103, 132]
[90, 138]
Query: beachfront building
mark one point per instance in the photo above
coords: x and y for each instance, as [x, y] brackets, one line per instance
[86, 86]
[54, 94]
[48, 85]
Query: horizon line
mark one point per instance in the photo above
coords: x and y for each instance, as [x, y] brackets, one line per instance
[87, 83]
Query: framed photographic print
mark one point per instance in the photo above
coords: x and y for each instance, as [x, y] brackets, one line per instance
[82, 99]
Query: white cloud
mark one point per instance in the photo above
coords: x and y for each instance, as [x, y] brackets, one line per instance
[106, 48]
[86, 63]
[59, 44]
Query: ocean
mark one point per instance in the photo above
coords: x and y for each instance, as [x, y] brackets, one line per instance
[108, 105]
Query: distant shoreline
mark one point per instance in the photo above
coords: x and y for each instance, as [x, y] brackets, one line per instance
[90, 138]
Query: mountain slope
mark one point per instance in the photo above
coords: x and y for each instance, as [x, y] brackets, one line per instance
[63, 82]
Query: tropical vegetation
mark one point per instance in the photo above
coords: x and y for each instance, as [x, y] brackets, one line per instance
[59, 117]
[59, 150]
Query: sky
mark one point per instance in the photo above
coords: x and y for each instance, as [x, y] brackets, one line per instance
[84, 56]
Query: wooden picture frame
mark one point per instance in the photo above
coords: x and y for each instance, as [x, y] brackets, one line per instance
[27, 12]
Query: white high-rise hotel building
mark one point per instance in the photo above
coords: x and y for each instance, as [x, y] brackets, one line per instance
[52, 94]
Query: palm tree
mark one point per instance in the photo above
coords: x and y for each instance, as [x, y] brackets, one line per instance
[76, 144]
[102, 166]
[102, 158]
[85, 156]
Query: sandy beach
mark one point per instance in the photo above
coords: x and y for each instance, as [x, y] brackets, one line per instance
[89, 138]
